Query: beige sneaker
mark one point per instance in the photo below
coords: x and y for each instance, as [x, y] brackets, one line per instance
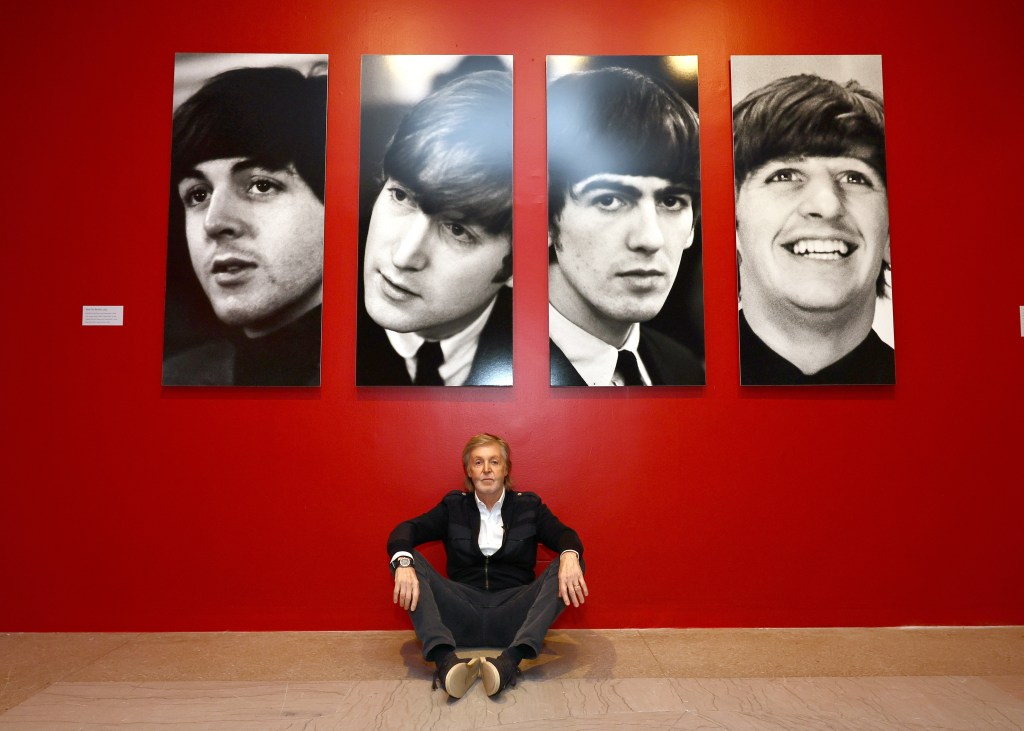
[456, 675]
[498, 673]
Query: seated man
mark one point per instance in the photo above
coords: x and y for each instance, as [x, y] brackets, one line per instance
[491, 598]
[623, 197]
[438, 261]
[247, 167]
[812, 233]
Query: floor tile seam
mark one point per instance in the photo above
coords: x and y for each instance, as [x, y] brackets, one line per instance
[62, 677]
[132, 637]
[677, 685]
[688, 678]
[8, 648]
[610, 632]
[662, 671]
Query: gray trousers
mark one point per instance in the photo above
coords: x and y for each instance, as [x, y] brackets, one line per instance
[450, 613]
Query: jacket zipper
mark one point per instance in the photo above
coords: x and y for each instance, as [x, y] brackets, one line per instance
[487, 577]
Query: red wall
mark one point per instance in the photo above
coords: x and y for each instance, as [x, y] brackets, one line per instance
[126, 506]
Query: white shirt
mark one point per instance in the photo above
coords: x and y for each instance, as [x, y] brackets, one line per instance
[491, 529]
[593, 358]
[459, 349]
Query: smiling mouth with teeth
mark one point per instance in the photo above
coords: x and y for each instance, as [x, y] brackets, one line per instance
[822, 249]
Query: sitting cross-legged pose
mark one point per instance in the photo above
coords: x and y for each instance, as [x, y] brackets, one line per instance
[491, 597]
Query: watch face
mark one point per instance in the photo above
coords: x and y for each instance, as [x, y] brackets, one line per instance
[404, 561]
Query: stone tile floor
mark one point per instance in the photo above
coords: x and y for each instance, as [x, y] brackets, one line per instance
[930, 678]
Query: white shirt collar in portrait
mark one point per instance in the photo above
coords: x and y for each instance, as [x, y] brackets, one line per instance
[459, 349]
[593, 358]
[491, 528]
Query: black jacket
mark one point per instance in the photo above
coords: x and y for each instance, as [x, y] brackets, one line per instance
[456, 521]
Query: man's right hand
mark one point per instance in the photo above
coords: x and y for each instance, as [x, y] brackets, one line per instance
[407, 588]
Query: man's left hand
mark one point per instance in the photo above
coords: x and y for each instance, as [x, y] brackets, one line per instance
[571, 586]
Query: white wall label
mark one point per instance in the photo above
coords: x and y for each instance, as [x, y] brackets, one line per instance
[1022, 321]
[109, 315]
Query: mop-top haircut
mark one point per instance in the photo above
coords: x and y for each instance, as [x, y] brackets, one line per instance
[618, 121]
[274, 116]
[453, 151]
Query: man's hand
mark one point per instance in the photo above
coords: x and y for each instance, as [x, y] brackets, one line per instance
[407, 588]
[571, 586]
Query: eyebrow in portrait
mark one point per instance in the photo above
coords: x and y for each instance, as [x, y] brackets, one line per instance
[604, 184]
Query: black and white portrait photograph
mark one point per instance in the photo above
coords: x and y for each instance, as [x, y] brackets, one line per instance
[245, 236]
[625, 280]
[435, 204]
[812, 221]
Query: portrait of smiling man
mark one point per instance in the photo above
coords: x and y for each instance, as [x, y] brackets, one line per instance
[623, 205]
[812, 226]
[437, 260]
[248, 152]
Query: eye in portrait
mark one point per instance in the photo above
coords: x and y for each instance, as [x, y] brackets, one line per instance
[624, 261]
[246, 221]
[435, 294]
[812, 221]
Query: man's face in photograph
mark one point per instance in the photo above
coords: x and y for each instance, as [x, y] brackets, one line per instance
[256, 240]
[428, 274]
[812, 233]
[618, 243]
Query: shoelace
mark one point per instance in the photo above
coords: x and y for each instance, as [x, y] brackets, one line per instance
[512, 678]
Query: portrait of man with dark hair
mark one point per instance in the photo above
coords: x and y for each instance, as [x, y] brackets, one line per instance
[812, 220]
[436, 222]
[623, 214]
[246, 222]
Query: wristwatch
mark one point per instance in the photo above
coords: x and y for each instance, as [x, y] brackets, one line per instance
[401, 562]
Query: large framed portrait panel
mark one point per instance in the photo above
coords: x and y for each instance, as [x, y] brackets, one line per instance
[245, 220]
[812, 221]
[435, 254]
[625, 276]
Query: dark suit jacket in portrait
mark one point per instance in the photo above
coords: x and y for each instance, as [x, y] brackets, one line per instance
[668, 362]
[377, 363]
[286, 357]
[871, 362]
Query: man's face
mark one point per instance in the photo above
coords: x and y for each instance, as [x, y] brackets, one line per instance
[812, 233]
[428, 274]
[487, 471]
[256, 239]
[619, 242]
